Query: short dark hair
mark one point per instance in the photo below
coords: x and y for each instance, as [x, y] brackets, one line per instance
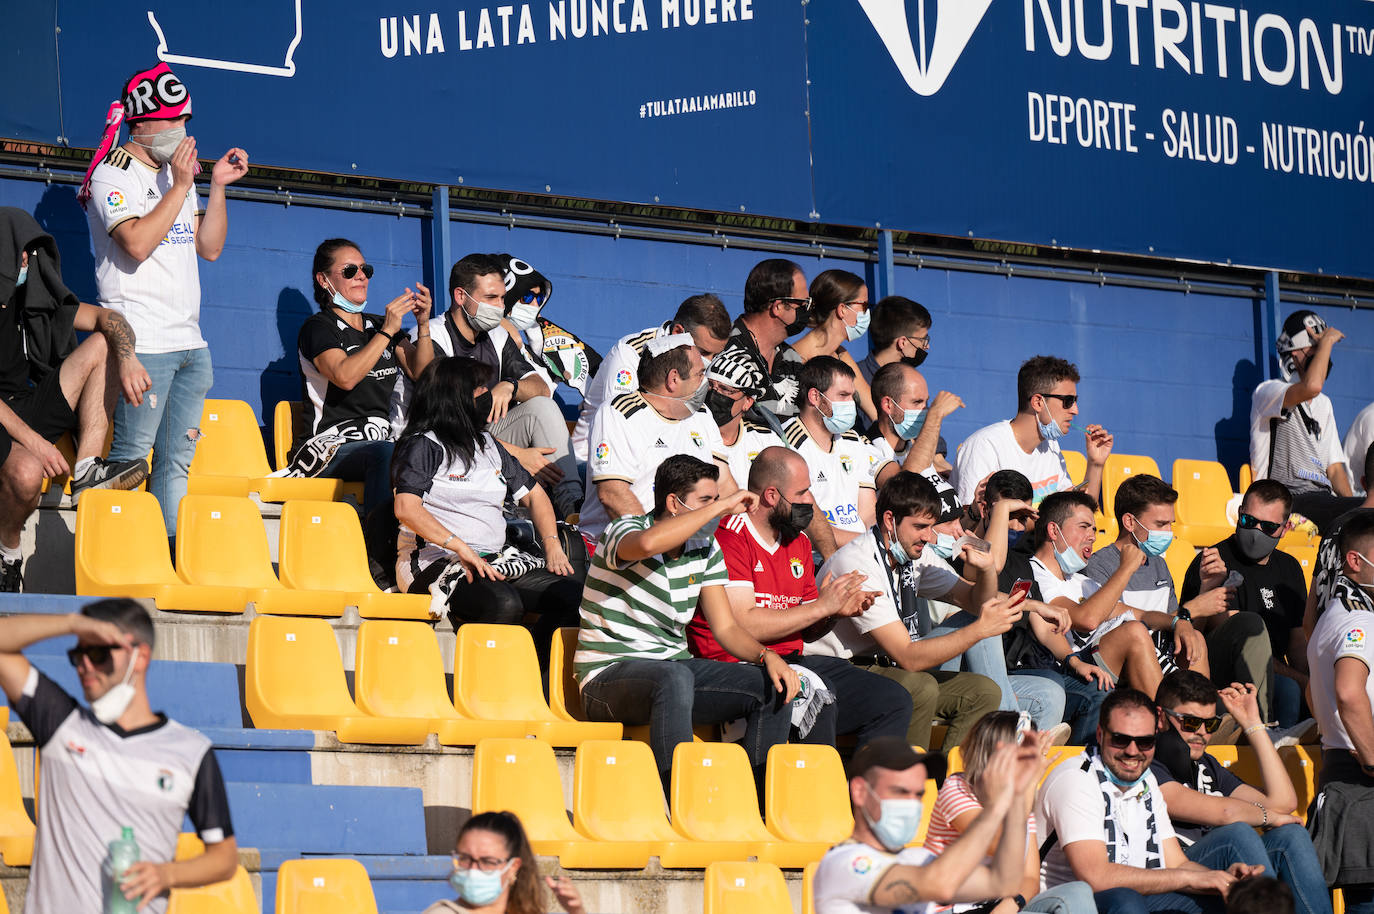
[653, 369]
[888, 381]
[893, 317]
[1355, 531]
[127, 615]
[1037, 375]
[1185, 687]
[1369, 467]
[1056, 508]
[1260, 895]
[770, 279]
[465, 272]
[818, 374]
[1124, 698]
[828, 290]
[704, 310]
[1139, 492]
[1269, 491]
[1007, 484]
[908, 494]
[678, 475]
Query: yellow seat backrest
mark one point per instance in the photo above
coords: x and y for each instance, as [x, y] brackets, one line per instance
[1246, 477]
[230, 442]
[233, 896]
[496, 674]
[321, 548]
[1203, 491]
[617, 793]
[325, 885]
[294, 667]
[120, 538]
[713, 793]
[1178, 557]
[745, 888]
[284, 430]
[1306, 556]
[521, 776]
[16, 828]
[221, 540]
[1118, 469]
[806, 795]
[565, 699]
[1077, 465]
[398, 671]
[809, 887]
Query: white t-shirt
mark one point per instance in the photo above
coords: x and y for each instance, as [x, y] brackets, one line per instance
[1357, 440]
[853, 636]
[1340, 632]
[159, 297]
[752, 439]
[849, 873]
[618, 374]
[838, 474]
[1077, 587]
[994, 447]
[1267, 404]
[1071, 806]
[632, 439]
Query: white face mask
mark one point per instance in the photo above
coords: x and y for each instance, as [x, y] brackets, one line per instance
[163, 144]
[487, 318]
[109, 707]
[524, 316]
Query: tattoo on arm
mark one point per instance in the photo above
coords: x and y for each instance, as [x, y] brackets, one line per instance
[901, 891]
[117, 333]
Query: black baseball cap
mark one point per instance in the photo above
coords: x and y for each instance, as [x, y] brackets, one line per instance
[891, 752]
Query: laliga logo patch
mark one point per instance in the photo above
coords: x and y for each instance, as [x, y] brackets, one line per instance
[622, 377]
[925, 70]
[602, 450]
[861, 864]
[114, 199]
[1354, 637]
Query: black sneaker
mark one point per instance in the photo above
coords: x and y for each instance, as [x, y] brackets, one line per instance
[105, 475]
[11, 575]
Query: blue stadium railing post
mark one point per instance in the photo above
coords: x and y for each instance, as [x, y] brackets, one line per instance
[442, 250]
[1270, 322]
[884, 277]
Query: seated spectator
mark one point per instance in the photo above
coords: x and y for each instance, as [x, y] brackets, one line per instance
[736, 383]
[1358, 439]
[1260, 895]
[452, 480]
[1329, 558]
[702, 317]
[842, 462]
[962, 797]
[776, 306]
[523, 416]
[899, 332]
[632, 664]
[1293, 434]
[875, 870]
[1272, 591]
[636, 432]
[839, 315]
[907, 431]
[1105, 631]
[890, 557]
[773, 595]
[1144, 507]
[558, 355]
[1045, 387]
[350, 361]
[1105, 822]
[494, 870]
[1211, 808]
[1340, 654]
[49, 385]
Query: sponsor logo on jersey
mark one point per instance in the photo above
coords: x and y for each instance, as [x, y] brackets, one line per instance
[1354, 637]
[622, 377]
[151, 194]
[820, 476]
[797, 569]
[603, 450]
[758, 566]
[114, 199]
[861, 864]
[660, 443]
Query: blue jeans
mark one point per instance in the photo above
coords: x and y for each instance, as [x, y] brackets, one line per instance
[673, 695]
[1082, 701]
[1287, 701]
[1129, 901]
[167, 423]
[865, 703]
[1043, 698]
[1286, 853]
[368, 462]
[1069, 898]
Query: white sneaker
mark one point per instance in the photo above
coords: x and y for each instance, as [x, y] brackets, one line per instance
[1059, 734]
[1296, 735]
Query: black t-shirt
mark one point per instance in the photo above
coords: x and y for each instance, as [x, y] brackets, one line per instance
[783, 382]
[1206, 775]
[508, 363]
[1023, 650]
[14, 364]
[370, 397]
[1276, 590]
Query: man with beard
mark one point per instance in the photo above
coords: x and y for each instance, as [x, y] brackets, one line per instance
[773, 596]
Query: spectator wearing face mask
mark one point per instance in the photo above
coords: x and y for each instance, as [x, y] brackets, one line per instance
[736, 383]
[907, 430]
[898, 332]
[839, 316]
[776, 305]
[558, 355]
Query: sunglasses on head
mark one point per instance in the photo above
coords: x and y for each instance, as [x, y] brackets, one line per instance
[1268, 527]
[351, 269]
[1124, 740]
[1192, 722]
[98, 654]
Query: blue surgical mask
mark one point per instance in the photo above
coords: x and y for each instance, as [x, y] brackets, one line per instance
[913, 420]
[894, 549]
[1121, 782]
[1070, 562]
[859, 328]
[841, 418]
[345, 304]
[943, 546]
[1050, 431]
[23, 276]
[1156, 541]
[476, 887]
[897, 822]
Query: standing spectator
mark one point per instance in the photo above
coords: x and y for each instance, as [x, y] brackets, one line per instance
[452, 479]
[147, 228]
[632, 664]
[113, 765]
[1046, 405]
[776, 306]
[907, 431]
[494, 870]
[899, 332]
[1358, 439]
[839, 315]
[1293, 435]
[736, 382]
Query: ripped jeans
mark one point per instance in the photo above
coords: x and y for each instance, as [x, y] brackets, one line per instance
[167, 423]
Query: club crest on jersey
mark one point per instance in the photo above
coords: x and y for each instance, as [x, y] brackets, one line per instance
[165, 780]
[847, 464]
[797, 569]
[698, 440]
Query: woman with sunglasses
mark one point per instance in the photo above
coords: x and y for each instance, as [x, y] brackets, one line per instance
[494, 872]
[839, 315]
[350, 361]
[962, 797]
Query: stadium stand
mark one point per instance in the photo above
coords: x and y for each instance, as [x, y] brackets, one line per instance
[745, 888]
[232, 460]
[1203, 492]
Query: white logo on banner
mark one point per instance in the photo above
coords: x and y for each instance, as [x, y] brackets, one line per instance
[955, 23]
[288, 67]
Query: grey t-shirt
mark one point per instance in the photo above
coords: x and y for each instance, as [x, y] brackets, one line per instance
[1151, 587]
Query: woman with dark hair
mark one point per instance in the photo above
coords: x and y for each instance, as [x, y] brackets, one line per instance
[350, 361]
[494, 871]
[452, 479]
[839, 315]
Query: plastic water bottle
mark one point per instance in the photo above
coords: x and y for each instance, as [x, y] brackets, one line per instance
[123, 854]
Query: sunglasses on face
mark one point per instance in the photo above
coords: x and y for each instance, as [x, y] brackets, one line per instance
[351, 269]
[98, 654]
[1124, 740]
[534, 298]
[1268, 527]
[803, 303]
[1068, 400]
[1192, 722]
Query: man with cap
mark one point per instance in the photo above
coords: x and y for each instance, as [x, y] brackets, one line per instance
[559, 355]
[49, 385]
[1293, 436]
[736, 383]
[907, 430]
[874, 872]
[148, 227]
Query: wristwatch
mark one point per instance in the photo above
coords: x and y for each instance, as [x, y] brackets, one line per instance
[1184, 615]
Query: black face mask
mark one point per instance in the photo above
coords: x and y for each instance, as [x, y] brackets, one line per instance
[915, 360]
[722, 407]
[799, 321]
[482, 408]
[794, 522]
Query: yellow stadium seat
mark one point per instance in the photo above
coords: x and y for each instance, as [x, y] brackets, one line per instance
[809, 887]
[221, 542]
[399, 673]
[1302, 764]
[1118, 469]
[324, 885]
[121, 551]
[1077, 465]
[521, 776]
[16, 828]
[321, 549]
[496, 677]
[1305, 554]
[618, 796]
[745, 888]
[233, 896]
[713, 798]
[288, 415]
[230, 459]
[1178, 557]
[927, 807]
[1246, 477]
[294, 680]
[1203, 491]
[806, 795]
